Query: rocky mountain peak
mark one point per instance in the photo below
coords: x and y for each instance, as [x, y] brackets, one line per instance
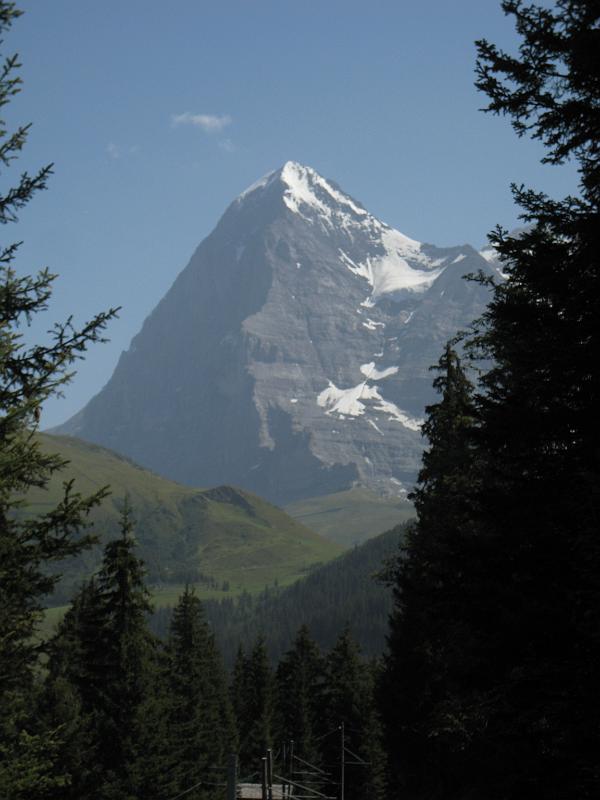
[291, 356]
[303, 186]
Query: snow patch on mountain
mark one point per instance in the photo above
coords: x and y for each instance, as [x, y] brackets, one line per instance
[491, 256]
[299, 191]
[489, 253]
[346, 402]
[392, 271]
[377, 428]
[259, 184]
[371, 372]
[371, 325]
[351, 403]
[303, 184]
[396, 414]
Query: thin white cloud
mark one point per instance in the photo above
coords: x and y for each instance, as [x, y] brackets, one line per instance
[227, 145]
[209, 123]
[116, 151]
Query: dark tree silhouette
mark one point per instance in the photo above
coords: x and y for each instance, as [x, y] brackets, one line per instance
[29, 375]
[505, 682]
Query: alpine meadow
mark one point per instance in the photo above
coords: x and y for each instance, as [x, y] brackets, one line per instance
[328, 527]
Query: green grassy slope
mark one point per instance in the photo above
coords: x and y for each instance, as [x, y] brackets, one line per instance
[351, 517]
[207, 537]
[343, 592]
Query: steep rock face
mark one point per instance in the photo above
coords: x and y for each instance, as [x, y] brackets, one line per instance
[291, 356]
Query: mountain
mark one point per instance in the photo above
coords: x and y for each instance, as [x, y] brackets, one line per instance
[291, 356]
[209, 537]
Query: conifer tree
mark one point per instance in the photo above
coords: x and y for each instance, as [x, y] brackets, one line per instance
[426, 630]
[445, 476]
[75, 676]
[201, 731]
[253, 700]
[539, 437]
[29, 375]
[237, 692]
[299, 679]
[106, 655]
[511, 671]
[125, 651]
[349, 702]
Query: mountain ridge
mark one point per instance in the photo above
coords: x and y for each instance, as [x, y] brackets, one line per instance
[204, 536]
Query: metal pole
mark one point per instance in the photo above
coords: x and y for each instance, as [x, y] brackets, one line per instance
[232, 777]
[264, 778]
[342, 763]
[270, 773]
[284, 770]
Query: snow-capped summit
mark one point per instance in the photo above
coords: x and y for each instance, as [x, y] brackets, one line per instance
[291, 356]
[394, 262]
[303, 186]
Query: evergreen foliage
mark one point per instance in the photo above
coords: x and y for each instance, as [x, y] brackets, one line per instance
[238, 688]
[29, 375]
[125, 653]
[494, 641]
[74, 680]
[254, 705]
[106, 660]
[348, 701]
[343, 591]
[445, 479]
[426, 631]
[201, 730]
[300, 681]
[175, 734]
[301, 717]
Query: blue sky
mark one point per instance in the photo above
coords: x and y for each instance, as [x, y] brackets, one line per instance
[157, 115]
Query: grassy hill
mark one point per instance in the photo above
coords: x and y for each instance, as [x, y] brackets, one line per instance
[351, 517]
[219, 539]
[343, 592]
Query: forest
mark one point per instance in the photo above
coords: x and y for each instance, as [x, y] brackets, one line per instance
[487, 686]
[349, 592]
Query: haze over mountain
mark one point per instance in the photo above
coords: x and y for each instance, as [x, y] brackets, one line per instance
[291, 356]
